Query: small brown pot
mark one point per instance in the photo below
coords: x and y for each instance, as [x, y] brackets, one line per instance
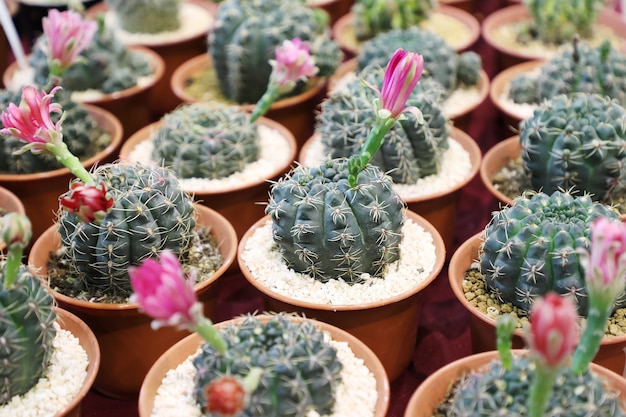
[433, 390]
[465, 5]
[483, 328]
[501, 154]
[296, 113]
[334, 8]
[388, 327]
[128, 344]
[186, 347]
[39, 192]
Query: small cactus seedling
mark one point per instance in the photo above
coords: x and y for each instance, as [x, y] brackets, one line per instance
[147, 16]
[372, 17]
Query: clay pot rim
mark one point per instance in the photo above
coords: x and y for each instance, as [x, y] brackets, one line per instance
[14, 199]
[457, 269]
[487, 160]
[180, 74]
[437, 267]
[127, 307]
[144, 134]
[116, 140]
[359, 348]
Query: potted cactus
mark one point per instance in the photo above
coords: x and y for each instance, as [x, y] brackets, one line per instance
[43, 346]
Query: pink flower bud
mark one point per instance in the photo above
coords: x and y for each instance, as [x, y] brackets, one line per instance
[90, 202]
[67, 34]
[15, 229]
[402, 74]
[226, 397]
[293, 63]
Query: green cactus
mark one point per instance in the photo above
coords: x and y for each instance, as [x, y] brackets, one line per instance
[246, 35]
[410, 150]
[372, 17]
[146, 16]
[578, 67]
[151, 213]
[300, 369]
[204, 141]
[107, 65]
[576, 142]
[82, 135]
[531, 248]
[328, 230]
[441, 62]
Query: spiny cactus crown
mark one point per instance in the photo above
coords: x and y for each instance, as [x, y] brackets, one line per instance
[300, 368]
[577, 142]
[147, 16]
[531, 248]
[203, 141]
[372, 17]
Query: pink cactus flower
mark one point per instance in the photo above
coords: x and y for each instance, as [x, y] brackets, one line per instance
[90, 202]
[226, 397]
[553, 327]
[402, 74]
[293, 63]
[68, 34]
[15, 229]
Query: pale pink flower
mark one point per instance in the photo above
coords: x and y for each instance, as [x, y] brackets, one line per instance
[293, 63]
[90, 202]
[402, 74]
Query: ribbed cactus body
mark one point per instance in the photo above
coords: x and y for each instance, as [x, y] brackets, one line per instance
[410, 150]
[202, 141]
[532, 247]
[372, 17]
[26, 333]
[147, 16]
[576, 142]
[300, 369]
[246, 35]
[328, 230]
[150, 213]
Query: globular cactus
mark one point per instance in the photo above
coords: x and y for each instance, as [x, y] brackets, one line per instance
[203, 141]
[150, 213]
[576, 142]
[410, 150]
[107, 65]
[578, 67]
[372, 17]
[441, 62]
[329, 230]
[531, 248]
[300, 369]
[245, 37]
[147, 16]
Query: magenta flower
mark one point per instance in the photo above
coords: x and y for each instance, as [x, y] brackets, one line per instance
[68, 34]
[293, 63]
[402, 74]
[90, 202]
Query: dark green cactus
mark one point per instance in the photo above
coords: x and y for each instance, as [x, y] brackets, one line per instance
[410, 150]
[151, 213]
[300, 370]
[246, 35]
[328, 230]
[372, 17]
[576, 142]
[578, 67]
[531, 248]
[441, 62]
[204, 141]
[146, 16]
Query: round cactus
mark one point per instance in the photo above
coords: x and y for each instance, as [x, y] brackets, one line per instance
[202, 141]
[150, 213]
[576, 142]
[532, 247]
[328, 230]
[147, 16]
[372, 17]
[300, 369]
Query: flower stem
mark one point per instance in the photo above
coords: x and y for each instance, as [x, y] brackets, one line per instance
[505, 329]
[65, 157]
[12, 264]
[265, 102]
[540, 390]
[590, 339]
[357, 163]
[210, 334]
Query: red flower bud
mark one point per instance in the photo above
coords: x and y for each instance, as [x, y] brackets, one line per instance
[225, 396]
[90, 202]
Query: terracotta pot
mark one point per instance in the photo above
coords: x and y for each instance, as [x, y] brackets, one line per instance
[128, 344]
[507, 56]
[186, 347]
[465, 5]
[241, 204]
[296, 113]
[343, 31]
[388, 327]
[174, 52]
[39, 192]
[460, 115]
[130, 106]
[433, 390]
[334, 8]
[494, 160]
[483, 328]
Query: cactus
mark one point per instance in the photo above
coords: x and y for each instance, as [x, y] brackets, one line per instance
[151, 213]
[410, 150]
[146, 16]
[441, 62]
[531, 248]
[578, 67]
[202, 141]
[246, 35]
[576, 142]
[372, 17]
[300, 369]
